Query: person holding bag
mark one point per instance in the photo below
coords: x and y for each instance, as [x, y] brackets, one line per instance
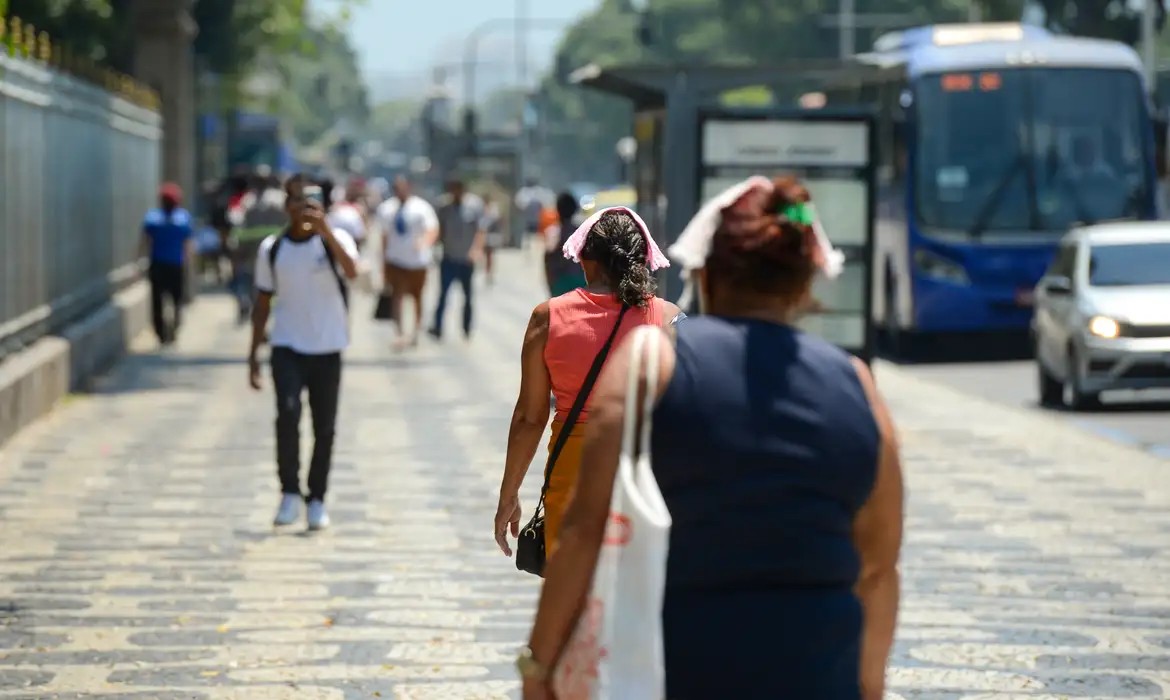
[565, 346]
[779, 469]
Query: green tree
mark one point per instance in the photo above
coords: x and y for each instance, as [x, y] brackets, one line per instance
[321, 88]
[1105, 19]
[583, 126]
[233, 34]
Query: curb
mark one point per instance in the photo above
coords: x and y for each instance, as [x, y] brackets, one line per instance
[35, 379]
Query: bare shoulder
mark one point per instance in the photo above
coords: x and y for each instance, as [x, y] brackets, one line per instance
[669, 310]
[538, 322]
[881, 413]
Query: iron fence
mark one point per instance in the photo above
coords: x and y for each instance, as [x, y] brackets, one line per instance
[79, 166]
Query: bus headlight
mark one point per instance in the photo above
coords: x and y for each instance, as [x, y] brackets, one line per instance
[1104, 327]
[940, 268]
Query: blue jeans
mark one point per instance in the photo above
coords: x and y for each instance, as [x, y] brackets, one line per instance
[450, 272]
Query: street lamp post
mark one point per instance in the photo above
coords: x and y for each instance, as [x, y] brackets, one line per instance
[472, 42]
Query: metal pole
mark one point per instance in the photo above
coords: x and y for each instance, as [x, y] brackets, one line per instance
[1149, 42]
[846, 30]
[470, 59]
[522, 76]
[974, 12]
[522, 42]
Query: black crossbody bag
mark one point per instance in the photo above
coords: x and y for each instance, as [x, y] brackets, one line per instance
[530, 554]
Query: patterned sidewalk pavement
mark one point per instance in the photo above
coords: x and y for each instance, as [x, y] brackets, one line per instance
[137, 557]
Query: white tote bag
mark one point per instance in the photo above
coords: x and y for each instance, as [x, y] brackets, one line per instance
[615, 652]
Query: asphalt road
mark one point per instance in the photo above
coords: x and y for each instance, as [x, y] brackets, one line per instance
[1126, 417]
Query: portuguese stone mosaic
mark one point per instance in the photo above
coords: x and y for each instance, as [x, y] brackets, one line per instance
[138, 560]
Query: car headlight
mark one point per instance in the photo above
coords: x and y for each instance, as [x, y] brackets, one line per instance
[1104, 327]
[940, 268]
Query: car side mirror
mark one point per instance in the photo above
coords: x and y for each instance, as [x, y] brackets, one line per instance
[1057, 286]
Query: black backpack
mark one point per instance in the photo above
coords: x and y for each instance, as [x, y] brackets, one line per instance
[341, 285]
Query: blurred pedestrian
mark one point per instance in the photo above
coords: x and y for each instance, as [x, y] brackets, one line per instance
[462, 236]
[168, 242]
[566, 336]
[493, 235]
[305, 268]
[778, 462]
[410, 228]
[563, 274]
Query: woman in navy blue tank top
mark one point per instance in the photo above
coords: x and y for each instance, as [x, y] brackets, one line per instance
[778, 462]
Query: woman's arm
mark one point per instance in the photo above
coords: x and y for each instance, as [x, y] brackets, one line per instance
[529, 419]
[877, 534]
[570, 569]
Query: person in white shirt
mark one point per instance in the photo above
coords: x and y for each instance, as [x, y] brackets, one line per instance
[349, 214]
[410, 229]
[301, 278]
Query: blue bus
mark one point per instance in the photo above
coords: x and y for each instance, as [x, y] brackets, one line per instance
[995, 139]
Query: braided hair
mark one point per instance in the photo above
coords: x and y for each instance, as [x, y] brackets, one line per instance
[617, 244]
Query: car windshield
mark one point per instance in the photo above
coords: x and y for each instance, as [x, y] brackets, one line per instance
[1129, 265]
[1023, 149]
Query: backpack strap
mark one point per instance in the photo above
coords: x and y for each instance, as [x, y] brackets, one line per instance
[272, 257]
[341, 285]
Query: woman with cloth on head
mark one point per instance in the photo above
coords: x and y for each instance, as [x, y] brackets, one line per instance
[618, 256]
[778, 462]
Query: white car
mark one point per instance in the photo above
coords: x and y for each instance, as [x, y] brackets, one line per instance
[1102, 314]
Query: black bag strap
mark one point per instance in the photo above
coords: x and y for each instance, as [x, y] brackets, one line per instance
[579, 404]
[341, 285]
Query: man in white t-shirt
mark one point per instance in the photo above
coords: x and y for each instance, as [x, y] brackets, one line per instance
[301, 278]
[410, 228]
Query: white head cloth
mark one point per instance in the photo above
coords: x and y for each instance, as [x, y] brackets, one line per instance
[694, 243]
[655, 260]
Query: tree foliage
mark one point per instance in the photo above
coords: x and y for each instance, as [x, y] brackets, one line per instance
[320, 82]
[233, 34]
[322, 88]
[1118, 20]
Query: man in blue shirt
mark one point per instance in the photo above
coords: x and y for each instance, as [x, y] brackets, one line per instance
[167, 238]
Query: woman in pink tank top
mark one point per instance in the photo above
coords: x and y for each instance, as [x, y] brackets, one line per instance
[565, 336]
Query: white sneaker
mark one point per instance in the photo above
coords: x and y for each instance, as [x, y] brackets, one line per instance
[289, 511]
[318, 516]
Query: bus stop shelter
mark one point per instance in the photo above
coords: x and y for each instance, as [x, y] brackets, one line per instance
[678, 118]
[668, 101]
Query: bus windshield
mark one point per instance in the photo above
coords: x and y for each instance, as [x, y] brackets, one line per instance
[1034, 149]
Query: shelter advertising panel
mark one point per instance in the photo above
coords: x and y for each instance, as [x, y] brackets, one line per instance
[833, 156]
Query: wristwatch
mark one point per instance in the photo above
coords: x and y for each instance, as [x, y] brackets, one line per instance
[529, 667]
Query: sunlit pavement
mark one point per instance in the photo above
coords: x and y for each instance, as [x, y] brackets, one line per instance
[137, 558]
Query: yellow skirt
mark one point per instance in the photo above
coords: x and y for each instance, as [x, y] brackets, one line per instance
[562, 482]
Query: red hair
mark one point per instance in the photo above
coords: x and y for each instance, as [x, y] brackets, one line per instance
[758, 248]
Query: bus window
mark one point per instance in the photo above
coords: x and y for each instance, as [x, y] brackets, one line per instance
[1016, 142]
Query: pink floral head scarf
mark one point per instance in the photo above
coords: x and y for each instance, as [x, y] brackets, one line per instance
[655, 260]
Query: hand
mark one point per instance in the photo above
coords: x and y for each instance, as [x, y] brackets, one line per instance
[537, 690]
[507, 517]
[313, 218]
[475, 256]
[254, 373]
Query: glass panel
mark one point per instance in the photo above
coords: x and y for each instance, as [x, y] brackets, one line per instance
[1129, 265]
[1026, 150]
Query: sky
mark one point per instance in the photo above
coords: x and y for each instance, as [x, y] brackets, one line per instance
[400, 42]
